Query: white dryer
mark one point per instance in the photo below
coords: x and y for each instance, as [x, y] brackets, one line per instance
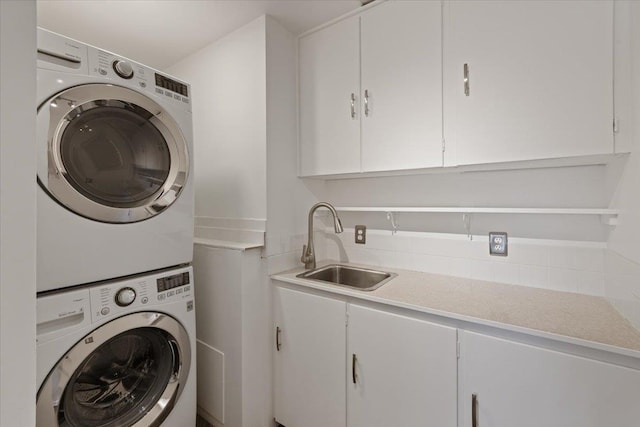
[114, 143]
[118, 353]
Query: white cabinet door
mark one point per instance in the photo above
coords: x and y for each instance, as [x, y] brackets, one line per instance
[329, 74]
[309, 371]
[540, 79]
[404, 373]
[401, 51]
[524, 386]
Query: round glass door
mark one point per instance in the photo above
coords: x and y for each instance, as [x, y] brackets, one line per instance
[115, 156]
[112, 154]
[118, 381]
[129, 372]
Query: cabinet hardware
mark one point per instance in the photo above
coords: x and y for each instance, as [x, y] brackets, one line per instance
[466, 79]
[474, 410]
[353, 105]
[278, 330]
[366, 102]
[354, 359]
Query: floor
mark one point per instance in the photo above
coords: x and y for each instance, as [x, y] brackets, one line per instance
[200, 422]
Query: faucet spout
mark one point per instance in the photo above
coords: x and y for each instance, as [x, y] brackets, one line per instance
[308, 253]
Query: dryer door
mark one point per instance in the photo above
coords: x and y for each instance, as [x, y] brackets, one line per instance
[109, 153]
[129, 372]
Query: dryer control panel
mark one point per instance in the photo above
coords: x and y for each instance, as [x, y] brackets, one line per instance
[139, 293]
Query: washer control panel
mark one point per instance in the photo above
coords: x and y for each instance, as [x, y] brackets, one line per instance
[123, 68]
[140, 293]
[125, 297]
[172, 286]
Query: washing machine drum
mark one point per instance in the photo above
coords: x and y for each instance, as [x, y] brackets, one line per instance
[109, 153]
[129, 372]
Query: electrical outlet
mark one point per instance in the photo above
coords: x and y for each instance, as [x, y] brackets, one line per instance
[361, 234]
[498, 243]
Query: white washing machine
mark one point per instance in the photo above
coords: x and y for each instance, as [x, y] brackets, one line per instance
[118, 353]
[114, 142]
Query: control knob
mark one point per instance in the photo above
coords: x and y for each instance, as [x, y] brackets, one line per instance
[123, 69]
[125, 297]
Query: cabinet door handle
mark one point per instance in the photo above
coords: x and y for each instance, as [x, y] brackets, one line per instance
[278, 330]
[466, 79]
[354, 360]
[474, 410]
[366, 102]
[353, 105]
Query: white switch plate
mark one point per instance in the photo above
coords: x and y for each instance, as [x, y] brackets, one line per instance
[498, 243]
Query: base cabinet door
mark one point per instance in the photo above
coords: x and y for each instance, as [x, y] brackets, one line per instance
[402, 372]
[512, 384]
[309, 371]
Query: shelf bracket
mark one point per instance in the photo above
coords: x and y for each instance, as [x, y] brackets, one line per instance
[392, 216]
[466, 222]
[611, 219]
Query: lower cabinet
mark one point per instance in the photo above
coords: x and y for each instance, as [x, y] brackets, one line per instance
[512, 384]
[402, 372]
[398, 371]
[309, 362]
[340, 364]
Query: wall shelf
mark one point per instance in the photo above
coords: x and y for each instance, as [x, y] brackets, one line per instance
[534, 211]
[607, 216]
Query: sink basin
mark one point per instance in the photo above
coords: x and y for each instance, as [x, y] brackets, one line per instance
[353, 277]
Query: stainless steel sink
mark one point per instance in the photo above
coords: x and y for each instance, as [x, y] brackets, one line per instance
[353, 277]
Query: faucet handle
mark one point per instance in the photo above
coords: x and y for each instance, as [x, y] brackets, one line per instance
[303, 258]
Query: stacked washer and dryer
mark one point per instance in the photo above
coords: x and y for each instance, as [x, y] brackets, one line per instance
[115, 306]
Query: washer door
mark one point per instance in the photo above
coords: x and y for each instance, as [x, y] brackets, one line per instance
[128, 372]
[110, 154]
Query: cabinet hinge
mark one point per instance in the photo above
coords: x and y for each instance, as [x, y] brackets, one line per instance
[346, 320]
[615, 125]
[443, 145]
[458, 349]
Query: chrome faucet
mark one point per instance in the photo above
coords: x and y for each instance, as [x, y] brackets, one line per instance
[308, 254]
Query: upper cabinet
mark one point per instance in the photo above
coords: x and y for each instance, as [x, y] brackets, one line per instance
[370, 91]
[523, 80]
[528, 80]
[401, 57]
[329, 94]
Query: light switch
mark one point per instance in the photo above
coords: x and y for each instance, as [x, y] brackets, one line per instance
[498, 243]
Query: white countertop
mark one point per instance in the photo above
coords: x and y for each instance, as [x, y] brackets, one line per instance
[569, 317]
[225, 244]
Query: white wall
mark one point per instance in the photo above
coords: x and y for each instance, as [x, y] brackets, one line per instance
[228, 86]
[624, 239]
[622, 267]
[288, 198]
[233, 301]
[17, 213]
[566, 187]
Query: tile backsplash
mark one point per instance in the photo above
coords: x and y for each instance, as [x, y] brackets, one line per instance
[561, 265]
[570, 266]
[622, 286]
